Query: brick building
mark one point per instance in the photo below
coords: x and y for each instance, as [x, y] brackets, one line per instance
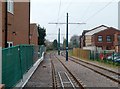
[85, 38]
[107, 39]
[101, 37]
[33, 34]
[15, 23]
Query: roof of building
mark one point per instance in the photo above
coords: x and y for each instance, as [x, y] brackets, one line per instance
[96, 30]
[108, 29]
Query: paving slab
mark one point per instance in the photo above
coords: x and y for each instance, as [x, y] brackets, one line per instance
[42, 77]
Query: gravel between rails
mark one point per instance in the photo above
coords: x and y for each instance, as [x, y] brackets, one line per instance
[103, 69]
[60, 68]
[88, 77]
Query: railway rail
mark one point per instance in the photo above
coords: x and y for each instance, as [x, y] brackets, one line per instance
[112, 75]
[71, 79]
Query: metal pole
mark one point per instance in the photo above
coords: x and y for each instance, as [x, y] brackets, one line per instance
[6, 20]
[67, 39]
[59, 42]
[29, 25]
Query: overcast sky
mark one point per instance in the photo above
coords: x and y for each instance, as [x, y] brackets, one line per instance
[91, 12]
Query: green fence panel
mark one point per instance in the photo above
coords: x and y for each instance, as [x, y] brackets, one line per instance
[17, 61]
[26, 56]
[11, 70]
[35, 53]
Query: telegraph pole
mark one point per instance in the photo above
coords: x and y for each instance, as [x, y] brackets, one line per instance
[67, 39]
[59, 42]
[66, 34]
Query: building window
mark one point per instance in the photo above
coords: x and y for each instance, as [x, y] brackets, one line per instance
[100, 39]
[109, 39]
[9, 44]
[10, 6]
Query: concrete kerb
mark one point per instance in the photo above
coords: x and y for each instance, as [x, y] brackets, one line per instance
[28, 75]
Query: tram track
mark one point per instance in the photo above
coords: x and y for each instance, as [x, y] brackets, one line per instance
[97, 69]
[71, 77]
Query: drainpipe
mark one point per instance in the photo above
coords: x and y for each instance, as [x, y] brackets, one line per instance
[29, 23]
[1, 47]
[6, 24]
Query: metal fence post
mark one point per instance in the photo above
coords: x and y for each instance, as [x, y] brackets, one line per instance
[20, 63]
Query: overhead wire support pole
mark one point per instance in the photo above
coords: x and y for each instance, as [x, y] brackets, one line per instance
[66, 33]
[67, 39]
[59, 42]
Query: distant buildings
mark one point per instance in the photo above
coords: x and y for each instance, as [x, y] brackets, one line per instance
[101, 38]
[16, 24]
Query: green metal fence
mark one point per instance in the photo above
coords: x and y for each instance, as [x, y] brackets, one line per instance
[108, 57]
[26, 57]
[16, 61]
[11, 69]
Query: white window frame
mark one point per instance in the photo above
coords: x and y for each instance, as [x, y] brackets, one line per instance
[9, 43]
[109, 38]
[10, 6]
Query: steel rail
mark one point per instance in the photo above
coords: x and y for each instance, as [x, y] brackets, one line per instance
[98, 66]
[111, 78]
[53, 75]
[62, 82]
[76, 80]
[117, 73]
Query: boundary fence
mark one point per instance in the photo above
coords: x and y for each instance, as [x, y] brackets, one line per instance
[17, 60]
[106, 56]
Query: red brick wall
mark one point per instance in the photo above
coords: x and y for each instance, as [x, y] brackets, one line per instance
[18, 24]
[10, 27]
[22, 23]
[34, 34]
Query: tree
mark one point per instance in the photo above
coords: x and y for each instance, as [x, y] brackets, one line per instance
[74, 41]
[42, 34]
[55, 44]
[48, 45]
[64, 44]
